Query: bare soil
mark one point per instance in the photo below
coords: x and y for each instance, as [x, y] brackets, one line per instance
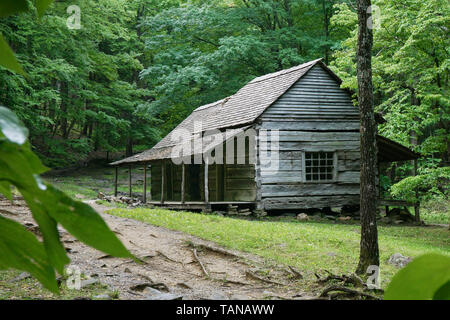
[169, 264]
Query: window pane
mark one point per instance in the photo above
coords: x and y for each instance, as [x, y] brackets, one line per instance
[319, 166]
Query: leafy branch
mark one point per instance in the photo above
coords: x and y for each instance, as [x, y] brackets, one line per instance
[21, 168]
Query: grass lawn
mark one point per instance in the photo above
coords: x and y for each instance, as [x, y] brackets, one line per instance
[308, 246]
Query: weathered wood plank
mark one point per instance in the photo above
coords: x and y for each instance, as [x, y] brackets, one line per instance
[293, 178]
[348, 177]
[240, 195]
[309, 189]
[309, 202]
[348, 165]
[317, 136]
[283, 165]
[311, 125]
[240, 184]
[279, 173]
[239, 173]
[349, 145]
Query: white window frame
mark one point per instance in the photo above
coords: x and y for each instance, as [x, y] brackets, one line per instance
[335, 166]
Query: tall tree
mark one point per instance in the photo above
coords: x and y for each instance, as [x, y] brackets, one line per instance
[369, 254]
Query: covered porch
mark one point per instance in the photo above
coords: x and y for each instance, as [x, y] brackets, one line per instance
[390, 151]
[192, 186]
[192, 182]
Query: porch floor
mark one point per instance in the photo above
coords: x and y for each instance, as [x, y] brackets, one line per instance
[199, 204]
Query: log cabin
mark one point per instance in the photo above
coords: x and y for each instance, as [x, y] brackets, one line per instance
[300, 117]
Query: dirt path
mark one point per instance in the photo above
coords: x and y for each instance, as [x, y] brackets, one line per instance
[171, 269]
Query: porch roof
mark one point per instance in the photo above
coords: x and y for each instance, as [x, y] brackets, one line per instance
[390, 151]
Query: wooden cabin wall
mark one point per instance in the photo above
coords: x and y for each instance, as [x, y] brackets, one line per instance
[239, 184]
[155, 181]
[314, 115]
[172, 181]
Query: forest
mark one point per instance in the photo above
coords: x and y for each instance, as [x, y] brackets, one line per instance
[134, 69]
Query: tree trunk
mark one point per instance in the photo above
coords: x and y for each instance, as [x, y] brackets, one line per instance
[369, 254]
[326, 22]
[129, 148]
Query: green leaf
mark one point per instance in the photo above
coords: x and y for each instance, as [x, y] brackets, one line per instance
[48, 226]
[11, 127]
[5, 189]
[8, 59]
[422, 279]
[20, 167]
[443, 293]
[83, 222]
[21, 250]
[9, 7]
[42, 5]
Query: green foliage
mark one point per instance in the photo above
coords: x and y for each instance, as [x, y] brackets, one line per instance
[425, 278]
[410, 74]
[20, 248]
[433, 184]
[81, 84]
[204, 51]
[10, 7]
[7, 58]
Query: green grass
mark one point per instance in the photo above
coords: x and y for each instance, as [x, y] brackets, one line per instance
[111, 204]
[308, 246]
[86, 183]
[31, 289]
[76, 191]
[436, 211]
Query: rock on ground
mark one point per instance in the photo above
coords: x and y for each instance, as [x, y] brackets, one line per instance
[399, 260]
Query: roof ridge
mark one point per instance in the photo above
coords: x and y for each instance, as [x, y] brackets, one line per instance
[261, 78]
[284, 71]
[212, 104]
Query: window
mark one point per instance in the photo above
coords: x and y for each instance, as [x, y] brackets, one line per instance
[319, 166]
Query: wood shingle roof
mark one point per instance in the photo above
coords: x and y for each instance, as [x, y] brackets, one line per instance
[238, 110]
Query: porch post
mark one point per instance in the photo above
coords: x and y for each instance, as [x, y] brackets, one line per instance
[217, 182]
[417, 204]
[163, 178]
[206, 184]
[116, 173]
[150, 177]
[129, 180]
[183, 181]
[145, 183]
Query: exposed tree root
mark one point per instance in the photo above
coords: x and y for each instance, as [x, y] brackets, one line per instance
[297, 274]
[253, 275]
[214, 249]
[346, 290]
[168, 258]
[200, 263]
[352, 279]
